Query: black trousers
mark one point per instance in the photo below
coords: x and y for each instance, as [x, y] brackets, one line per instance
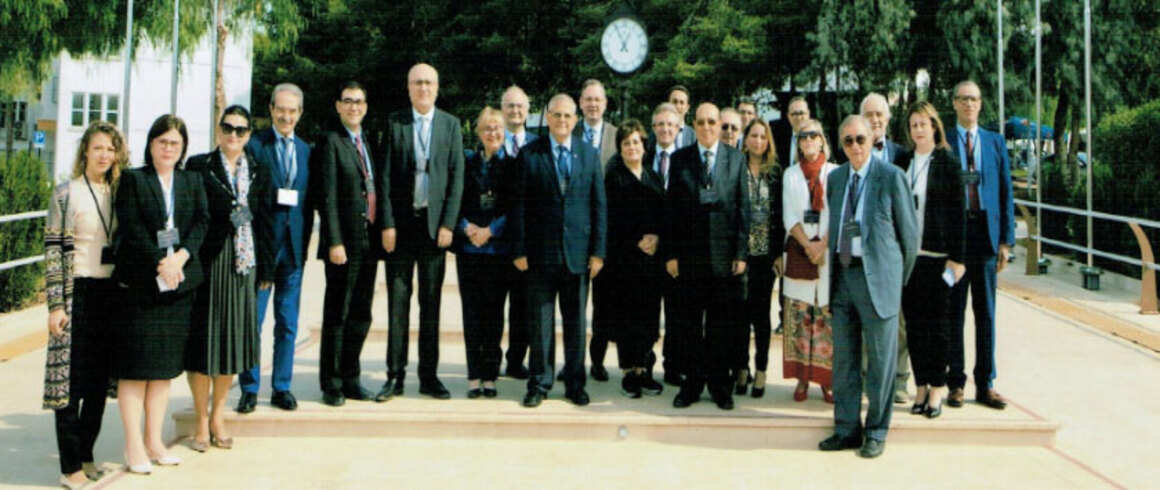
[79, 423]
[346, 318]
[631, 305]
[926, 300]
[758, 306]
[602, 330]
[545, 285]
[706, 328]
[517, 322]
[671, 348]
[484, 283]
[415, 249]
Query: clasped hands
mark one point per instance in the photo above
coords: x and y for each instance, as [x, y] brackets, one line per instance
[170, 268]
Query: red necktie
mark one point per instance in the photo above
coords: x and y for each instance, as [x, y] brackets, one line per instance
[972, 189]
[368, 186]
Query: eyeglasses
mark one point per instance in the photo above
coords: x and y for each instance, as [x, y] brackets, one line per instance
[799, 113]
[350, 102]
[851, 140]
[809, 135]
[664, 124]
[168, 143]
[967, 98]
[706, 122]
[730, 127]
[228, 128]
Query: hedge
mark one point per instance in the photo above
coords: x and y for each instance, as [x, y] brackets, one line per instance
[24, 187]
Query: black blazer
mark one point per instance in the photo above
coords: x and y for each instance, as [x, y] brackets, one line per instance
[551, 228]
[444, 171]
[635, 208]
[220, 202]
[707, 236]
[342, 198]
[943, 229]
[499, 180]
[141, 214]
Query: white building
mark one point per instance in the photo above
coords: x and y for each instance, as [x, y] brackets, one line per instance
[89, 88]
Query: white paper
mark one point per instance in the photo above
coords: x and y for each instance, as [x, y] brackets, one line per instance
[288, 197]
[162, 286]
[949, 277]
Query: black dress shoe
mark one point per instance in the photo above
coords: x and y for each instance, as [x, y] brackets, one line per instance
[434, 389]
[516, 371]
[743, 388]
[474, 393]
[838, 443]
[630, 385]
[649, 386]
[284, 400]
[598, 373]
[686, 398]
[396, 385]
[757, 392]
[386, 392]
[358, 393]
[724, 401]
[577, 397]
[932, 412]
[247, 403]
[872, 448]
[333, 398]
[490, 393]
[955, 399]
[534, 398]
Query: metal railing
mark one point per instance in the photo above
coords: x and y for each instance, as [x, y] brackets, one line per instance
[12, 264]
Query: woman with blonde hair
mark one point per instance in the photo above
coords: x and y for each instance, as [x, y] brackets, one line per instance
[79, 266]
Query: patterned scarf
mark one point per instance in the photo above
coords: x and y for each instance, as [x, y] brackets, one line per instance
[244, 236]
[812, 171]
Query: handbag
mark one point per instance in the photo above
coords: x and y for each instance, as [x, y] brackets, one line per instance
[797, 263]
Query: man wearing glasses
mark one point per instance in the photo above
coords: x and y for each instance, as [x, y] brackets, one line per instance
[515, 138]
[748, 110]
[594, 130]
[990, 232]
[874, 239]
[731, 127]
[798, 113]
[665, 127]
[349, 244]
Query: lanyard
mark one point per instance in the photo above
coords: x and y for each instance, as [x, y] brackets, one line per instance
[104, 224]
[917, 172]
[424, 139]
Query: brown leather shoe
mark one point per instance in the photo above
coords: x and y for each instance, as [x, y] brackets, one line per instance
[991, 398]
[955, 399]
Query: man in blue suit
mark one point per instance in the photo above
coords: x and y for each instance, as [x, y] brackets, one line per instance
[287, 157]
[874, 239]
[559, 234]
[990, 232]
[515, 138]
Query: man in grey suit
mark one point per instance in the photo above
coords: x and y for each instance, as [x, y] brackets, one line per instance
[875, 243]
[679, 98]
[594, 130]
[423, 183]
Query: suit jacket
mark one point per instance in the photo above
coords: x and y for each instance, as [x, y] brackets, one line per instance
[607, 141]
[706, 238]
[942, 221]
[141, 214]
[551, 228]
[782, 136]
[289, 223]
[342, 203]
[444, 171]
[220, 203]
[889, 232]
[685, 137]
[507, 138]
[994, 166]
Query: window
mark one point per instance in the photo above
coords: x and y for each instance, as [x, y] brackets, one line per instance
[95, 106]
[78, 109]
[99, 107]
[18, 118]
[112, 106]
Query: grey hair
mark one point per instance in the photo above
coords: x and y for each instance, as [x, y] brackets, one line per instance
[292, 89]
[852, 119]
[874, 96]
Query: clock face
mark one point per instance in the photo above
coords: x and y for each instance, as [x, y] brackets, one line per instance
[624, 45]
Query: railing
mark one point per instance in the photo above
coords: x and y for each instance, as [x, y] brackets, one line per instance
[12, 264]
[1146, 262]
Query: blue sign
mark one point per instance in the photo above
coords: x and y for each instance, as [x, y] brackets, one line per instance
[38, 140]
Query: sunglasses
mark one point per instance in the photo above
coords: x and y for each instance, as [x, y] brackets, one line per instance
[851, 140]
[228, 128]
[809, 135]
[730, 127]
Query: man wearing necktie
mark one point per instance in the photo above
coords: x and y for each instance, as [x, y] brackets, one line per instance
[559, 230]
[287, 157]
[349, 243]
[516, 137]
[594, 130]
[663, 144]
[875, 243]
[680, 99]
[423, 184]
[786, 129]
[990, 234]
[705, 245]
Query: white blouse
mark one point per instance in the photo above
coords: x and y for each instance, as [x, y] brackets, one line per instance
[89, 235]
[795, 196]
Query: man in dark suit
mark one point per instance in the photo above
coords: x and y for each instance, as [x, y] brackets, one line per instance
[785, 130]
[705, 246]
[747, 109]
[661, 147]
[877, 113]
[515, 105]
[990, 232]
[594, 130]
[349, 243]
[422, 183]
[559, 233]
[287, 158]
[875, 246]
[680, 99]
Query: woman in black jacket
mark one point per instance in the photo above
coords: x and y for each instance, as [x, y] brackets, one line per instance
[238, 256]
[935, 178]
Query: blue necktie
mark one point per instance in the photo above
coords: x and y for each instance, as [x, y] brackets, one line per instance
[563, 166]
[289, 163]
[845, 245]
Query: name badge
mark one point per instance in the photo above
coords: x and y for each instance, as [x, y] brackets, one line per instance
[971, 178]
[759, 218]
[108, 256]
[288, 197]
[168, 238]
[851, 229]
[241, 216]
[812, 217]
[487, 202]
[708, 196]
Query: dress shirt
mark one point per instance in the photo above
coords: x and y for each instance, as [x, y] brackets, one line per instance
[287, 158]
[917, 176]
[509, 141]
[657, 161]
[880, 154]
[597, 133]
[978, 155]
[856, 243]
[793, 149]
[701, 151]
[366, 153]
[567, 145]
[422, 154]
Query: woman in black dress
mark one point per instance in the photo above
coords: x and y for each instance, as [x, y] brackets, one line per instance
[632, 275]
[238, 256]
[163, 218]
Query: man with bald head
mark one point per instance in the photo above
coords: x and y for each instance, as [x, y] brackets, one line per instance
[706, 236]
[558, 230]
[423, 179]
[731, 127]
[594, 130]
[515, 106]
[875, 243]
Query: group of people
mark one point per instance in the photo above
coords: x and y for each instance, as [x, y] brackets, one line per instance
[694, 224]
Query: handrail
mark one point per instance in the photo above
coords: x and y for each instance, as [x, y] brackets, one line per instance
[12, 264]
[23, 216]
[1095, 214]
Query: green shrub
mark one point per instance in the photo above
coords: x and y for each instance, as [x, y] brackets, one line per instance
[24, 186]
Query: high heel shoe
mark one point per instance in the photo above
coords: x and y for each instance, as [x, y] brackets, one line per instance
[743, 380]
[920, 406]
[802, 393]
[226, 443]
[827, 395]
[932, 412]
[199, 446]
[92, 471]
[758, 390]
[145, 468]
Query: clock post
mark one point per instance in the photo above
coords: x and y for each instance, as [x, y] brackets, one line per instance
[624, 46]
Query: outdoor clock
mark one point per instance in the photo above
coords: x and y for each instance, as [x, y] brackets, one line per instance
[624, 45]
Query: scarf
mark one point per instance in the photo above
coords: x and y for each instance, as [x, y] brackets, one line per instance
[812, 171]
[244, 236]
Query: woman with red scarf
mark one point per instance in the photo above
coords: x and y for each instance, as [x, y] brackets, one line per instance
[807, 353]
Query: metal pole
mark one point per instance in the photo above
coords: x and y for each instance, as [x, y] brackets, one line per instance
[999, 49]
[128, 69]
[213, 78]
[1039, 125]
[1087, 81]
[176, 52]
